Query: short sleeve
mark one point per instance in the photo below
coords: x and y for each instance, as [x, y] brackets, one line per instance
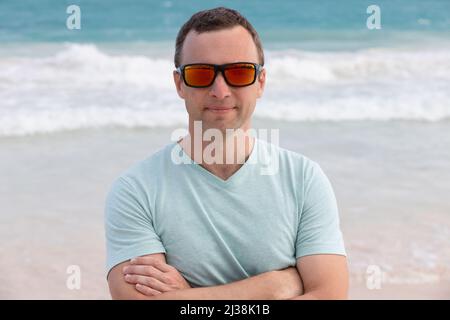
[319, 230]
[129, 227]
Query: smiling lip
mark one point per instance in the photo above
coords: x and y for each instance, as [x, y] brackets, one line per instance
[220, 109]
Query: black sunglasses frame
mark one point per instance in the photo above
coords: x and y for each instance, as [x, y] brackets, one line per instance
[219, 68]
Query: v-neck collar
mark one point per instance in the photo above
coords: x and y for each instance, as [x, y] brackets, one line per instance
[233, 179]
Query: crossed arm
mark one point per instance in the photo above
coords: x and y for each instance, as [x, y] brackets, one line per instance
[150, 277]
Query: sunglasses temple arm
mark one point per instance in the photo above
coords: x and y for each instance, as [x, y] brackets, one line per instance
[259, 68]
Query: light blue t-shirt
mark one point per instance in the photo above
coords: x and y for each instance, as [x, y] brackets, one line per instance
[277, 207]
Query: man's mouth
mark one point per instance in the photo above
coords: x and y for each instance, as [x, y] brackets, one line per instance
[220, 109]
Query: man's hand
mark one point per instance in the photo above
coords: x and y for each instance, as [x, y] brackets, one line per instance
[152, 277]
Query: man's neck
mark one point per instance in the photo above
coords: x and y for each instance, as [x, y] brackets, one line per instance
[223, 157]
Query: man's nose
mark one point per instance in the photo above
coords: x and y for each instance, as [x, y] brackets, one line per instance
[220, 89]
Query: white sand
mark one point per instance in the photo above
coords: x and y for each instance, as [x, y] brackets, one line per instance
[437, 291]
[391, 181]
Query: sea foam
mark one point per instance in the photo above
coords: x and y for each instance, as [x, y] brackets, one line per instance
[82, 86]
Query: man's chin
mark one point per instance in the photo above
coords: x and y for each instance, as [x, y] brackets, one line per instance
[217, 122]
[222, 126]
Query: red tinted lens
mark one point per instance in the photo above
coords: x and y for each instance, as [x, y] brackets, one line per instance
[240, 74]
[199, 75]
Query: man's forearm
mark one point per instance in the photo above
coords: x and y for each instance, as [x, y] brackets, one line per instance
[321, 295]
[266, 286]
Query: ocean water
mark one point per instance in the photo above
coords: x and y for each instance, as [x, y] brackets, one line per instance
[323, 63]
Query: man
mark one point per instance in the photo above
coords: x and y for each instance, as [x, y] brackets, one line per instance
[180, 226]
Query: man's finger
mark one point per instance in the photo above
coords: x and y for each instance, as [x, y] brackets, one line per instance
[164, 267]
[146, 290]
[147, 281]
[145, 271]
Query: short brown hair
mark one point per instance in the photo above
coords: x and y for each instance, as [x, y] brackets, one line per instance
[212, 20]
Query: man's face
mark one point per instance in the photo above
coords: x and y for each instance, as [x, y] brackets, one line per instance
[220, 47]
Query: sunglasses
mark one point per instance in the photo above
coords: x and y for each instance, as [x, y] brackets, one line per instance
[202, 75]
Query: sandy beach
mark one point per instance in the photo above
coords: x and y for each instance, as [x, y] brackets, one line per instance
[391, 180]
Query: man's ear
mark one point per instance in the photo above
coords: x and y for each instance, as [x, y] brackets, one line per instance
[261, 82]
[178, 84]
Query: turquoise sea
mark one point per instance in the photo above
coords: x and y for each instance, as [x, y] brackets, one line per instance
[322, 60]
